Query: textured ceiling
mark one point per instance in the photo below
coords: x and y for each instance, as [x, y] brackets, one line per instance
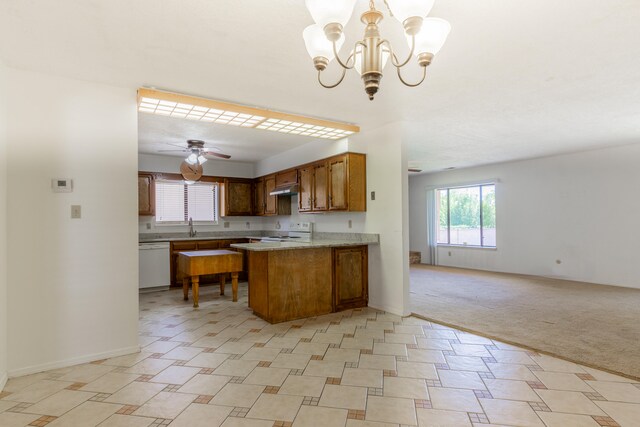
[516, 79]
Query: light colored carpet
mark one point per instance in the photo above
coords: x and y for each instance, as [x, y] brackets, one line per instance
[595, 325]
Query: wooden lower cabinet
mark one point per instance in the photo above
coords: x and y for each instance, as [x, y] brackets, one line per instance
[350, 277]
[201, 245]
[294, 284]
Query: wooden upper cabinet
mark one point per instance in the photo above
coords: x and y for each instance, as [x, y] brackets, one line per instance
[237, 197]
[335, 184]
[258, 205]
[271, 202]
[305, 188]
[320, 186]
[338, 186]
[348, 182]
[288, 177]
[146, 195]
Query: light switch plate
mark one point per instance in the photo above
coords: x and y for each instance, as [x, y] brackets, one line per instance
[373, 195]
[76, 211]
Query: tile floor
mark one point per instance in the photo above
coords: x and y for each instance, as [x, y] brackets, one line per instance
[222, 366]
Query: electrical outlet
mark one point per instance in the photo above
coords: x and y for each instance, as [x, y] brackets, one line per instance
[76, 212]
[449, 253]
[148, 226]
[248, 224]
[226, 224]
[350, 223]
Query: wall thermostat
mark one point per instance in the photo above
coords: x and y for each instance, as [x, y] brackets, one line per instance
[62, 185]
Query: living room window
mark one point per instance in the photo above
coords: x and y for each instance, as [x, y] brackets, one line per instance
[176, 202]
[467, 215]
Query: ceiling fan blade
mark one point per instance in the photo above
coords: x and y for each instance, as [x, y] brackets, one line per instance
[174, 151]
[214, 154]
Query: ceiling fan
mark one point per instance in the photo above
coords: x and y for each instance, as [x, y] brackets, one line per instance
[197, 152]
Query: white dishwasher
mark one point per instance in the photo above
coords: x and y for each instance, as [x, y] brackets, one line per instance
[154, 265]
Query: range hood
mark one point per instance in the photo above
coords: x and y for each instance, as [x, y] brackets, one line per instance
[285, 190]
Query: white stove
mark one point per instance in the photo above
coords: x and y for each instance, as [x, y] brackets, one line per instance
[298, 232]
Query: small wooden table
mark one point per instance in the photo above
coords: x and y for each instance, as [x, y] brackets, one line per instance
[194, 264]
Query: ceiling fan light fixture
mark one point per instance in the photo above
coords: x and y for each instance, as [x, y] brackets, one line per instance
[192, 159]
[201, 159]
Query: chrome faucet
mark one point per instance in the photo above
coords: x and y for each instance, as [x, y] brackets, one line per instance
[192, 232]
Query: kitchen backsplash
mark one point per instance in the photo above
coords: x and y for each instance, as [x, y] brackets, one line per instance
[333, 222]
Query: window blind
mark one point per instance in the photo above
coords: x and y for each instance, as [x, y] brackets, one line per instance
[170, 201]
[201, 204]
[177, 202]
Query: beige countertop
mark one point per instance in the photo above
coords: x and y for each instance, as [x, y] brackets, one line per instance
[321, 243]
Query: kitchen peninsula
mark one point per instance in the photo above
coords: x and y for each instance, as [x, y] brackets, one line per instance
[294, 280]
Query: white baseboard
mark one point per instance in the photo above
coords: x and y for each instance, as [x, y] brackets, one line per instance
[70, 362]
[3, 380]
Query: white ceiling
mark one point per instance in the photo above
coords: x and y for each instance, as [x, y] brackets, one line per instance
[157, 133]
[516, 79]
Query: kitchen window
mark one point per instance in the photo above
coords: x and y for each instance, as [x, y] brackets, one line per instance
[467, 216]
[176, 202]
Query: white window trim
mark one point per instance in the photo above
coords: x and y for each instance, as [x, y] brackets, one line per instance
[481, 183]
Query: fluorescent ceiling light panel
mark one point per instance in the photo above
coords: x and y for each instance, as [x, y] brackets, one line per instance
[151, 101]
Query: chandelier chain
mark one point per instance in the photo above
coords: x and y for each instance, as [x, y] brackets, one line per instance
[388, 8]
[372, 6]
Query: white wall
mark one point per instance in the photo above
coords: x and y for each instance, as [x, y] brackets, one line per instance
[73, 287]
[171, 164]
[581, 209]
[387, 216]
[3, 228]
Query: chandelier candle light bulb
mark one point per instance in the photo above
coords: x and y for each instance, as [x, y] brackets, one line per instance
[369, 56]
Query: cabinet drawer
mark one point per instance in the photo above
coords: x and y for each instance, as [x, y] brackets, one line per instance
[208, 245]
[184, 246]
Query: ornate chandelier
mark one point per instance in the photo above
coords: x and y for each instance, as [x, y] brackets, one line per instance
[369, 56]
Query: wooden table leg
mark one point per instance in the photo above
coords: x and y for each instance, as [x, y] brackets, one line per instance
[234, 285]
[222, 280]
[185, 288]
[195, 284]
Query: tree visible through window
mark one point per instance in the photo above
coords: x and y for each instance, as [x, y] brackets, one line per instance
[176, 202]
[467, 215]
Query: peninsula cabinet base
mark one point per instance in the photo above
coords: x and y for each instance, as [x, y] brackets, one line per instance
[294, 284]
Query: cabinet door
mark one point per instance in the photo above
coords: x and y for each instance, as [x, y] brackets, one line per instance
[271, 205]
[259, 197]
[320, 195]
[288, 177]
[238, 197]
[338, 196]
[146, 195]
[350, 268]
[305, 183]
